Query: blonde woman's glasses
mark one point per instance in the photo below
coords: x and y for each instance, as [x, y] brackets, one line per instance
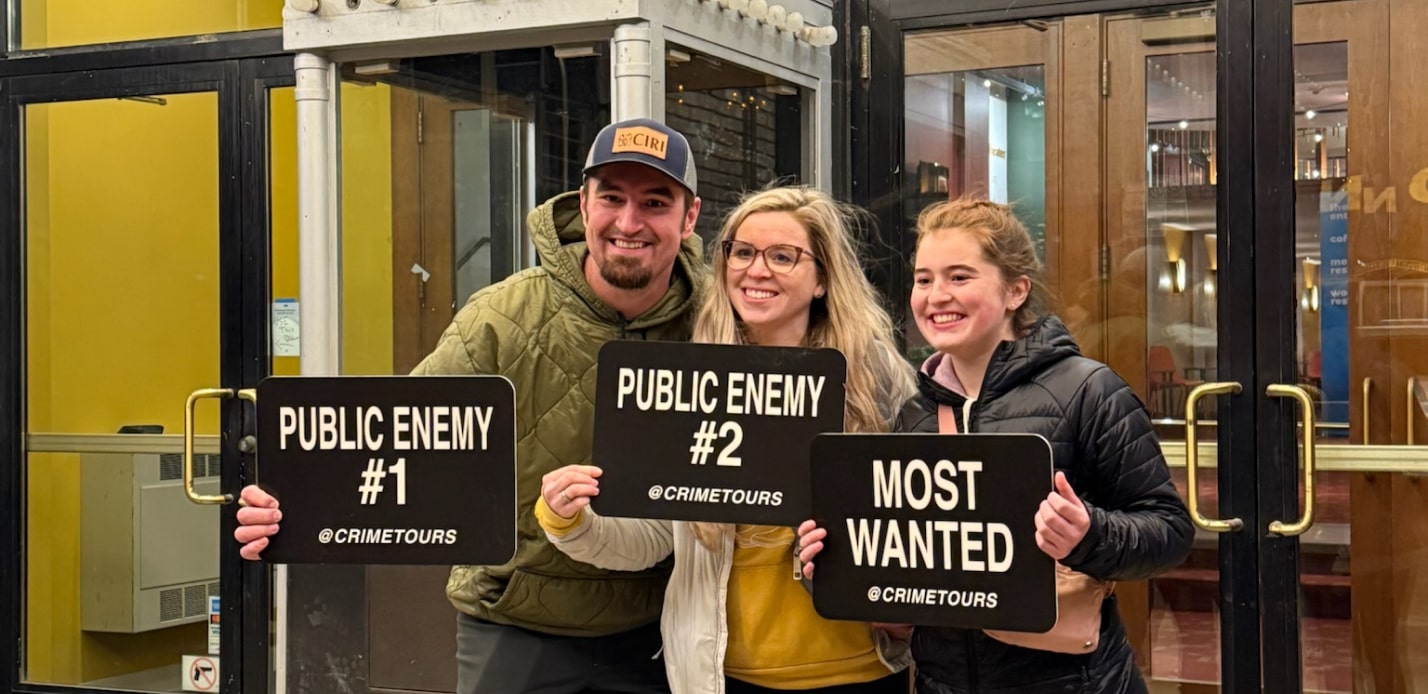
[781, 257]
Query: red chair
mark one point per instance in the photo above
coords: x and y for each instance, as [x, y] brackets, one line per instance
[1168, 385]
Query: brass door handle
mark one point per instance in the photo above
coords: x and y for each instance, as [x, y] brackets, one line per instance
[1368, 387]
[193, 495]
[1306, 409]
[1192, 458]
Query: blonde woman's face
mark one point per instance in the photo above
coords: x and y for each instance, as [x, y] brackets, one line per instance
[770, 296]
[960, 301]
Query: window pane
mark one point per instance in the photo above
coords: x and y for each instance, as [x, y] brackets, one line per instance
[54, 23]
[122, 322]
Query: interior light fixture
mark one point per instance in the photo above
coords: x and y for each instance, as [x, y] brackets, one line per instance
[1174, 235]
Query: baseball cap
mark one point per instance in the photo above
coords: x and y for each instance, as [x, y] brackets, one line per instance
[644, 141]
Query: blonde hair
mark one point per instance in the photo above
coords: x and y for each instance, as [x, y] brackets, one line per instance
[849, 317]
[1005, 243]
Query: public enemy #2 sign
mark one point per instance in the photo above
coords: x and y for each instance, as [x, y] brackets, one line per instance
[933, 530]
[712, 432]
[390, 470]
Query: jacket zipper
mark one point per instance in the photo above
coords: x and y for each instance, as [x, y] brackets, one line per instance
[967, 415]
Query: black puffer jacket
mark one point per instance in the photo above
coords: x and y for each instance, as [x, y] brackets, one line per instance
[1101, 437]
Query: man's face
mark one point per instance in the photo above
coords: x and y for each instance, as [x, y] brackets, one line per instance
[635, 219]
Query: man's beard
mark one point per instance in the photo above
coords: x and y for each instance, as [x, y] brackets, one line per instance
[625, 273]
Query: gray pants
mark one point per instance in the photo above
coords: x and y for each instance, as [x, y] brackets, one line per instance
[497, 659]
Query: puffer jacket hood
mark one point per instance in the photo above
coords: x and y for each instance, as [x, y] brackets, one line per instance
[558, 233]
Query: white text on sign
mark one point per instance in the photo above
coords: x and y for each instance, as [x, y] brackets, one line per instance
[434, 428]
[768, 394]
[928, 543]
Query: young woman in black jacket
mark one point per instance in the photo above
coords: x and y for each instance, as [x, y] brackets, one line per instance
[1004, 363]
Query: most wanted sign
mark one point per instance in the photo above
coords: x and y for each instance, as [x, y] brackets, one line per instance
[712, 432]
[933, 530]
[390, 470]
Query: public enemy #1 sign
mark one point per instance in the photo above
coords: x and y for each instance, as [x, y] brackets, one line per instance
[933, 530]
[712, 432]
[390, 470]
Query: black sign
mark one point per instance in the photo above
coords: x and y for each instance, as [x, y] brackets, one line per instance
[933, 530]
[390, 470]
[712, 432]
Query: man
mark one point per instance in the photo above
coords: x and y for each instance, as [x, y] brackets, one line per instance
[619, 260]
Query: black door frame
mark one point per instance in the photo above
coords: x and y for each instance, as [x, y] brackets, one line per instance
[1259, 580]
[242, 86]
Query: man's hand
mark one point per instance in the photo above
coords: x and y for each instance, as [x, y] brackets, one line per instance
[257, 521]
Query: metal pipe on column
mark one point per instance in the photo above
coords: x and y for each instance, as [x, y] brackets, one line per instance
[632, 70]
[318, 267]
[317, 248]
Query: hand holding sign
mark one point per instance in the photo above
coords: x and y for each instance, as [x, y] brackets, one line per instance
[1062, 521]
[570, 488]
[810, 543]
[257, 521]
[716, 433]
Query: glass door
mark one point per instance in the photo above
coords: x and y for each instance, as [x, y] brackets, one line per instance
[1240, 244]
[143, 256]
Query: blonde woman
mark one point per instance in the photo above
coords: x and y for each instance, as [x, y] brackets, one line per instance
[735, 620]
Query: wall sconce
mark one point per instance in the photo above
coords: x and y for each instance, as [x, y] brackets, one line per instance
[1174, 249]
[1309, 300]
[1211, 275]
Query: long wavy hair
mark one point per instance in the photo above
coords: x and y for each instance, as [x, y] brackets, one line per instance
[849, 317]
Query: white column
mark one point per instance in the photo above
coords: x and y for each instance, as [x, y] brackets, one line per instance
[319, 266]
[317, 230]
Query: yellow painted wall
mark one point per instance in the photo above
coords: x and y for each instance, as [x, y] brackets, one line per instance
[122, 278]
[282, 186]
[366, 229]
[49, 23]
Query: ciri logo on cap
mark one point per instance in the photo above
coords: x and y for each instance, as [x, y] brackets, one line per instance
[641, 140]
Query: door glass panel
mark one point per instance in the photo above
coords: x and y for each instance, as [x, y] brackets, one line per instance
[745, 128]
[285, 326]
[122, 323]
[1361, 279]
[976, 126]
[57, 23]
[1161, 297]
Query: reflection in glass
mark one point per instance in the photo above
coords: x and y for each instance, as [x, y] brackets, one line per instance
[744, 127]
[976, 133]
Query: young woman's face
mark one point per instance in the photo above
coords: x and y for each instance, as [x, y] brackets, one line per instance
[961, 302]
[771, 277]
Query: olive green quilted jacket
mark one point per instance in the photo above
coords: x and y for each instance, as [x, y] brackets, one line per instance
[542, 328]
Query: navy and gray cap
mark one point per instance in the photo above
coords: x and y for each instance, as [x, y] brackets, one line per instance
[648, 142]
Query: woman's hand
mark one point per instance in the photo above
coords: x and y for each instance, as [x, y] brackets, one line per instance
[810, 543]
[569, 489]
[257, 521]
[1062, 521]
